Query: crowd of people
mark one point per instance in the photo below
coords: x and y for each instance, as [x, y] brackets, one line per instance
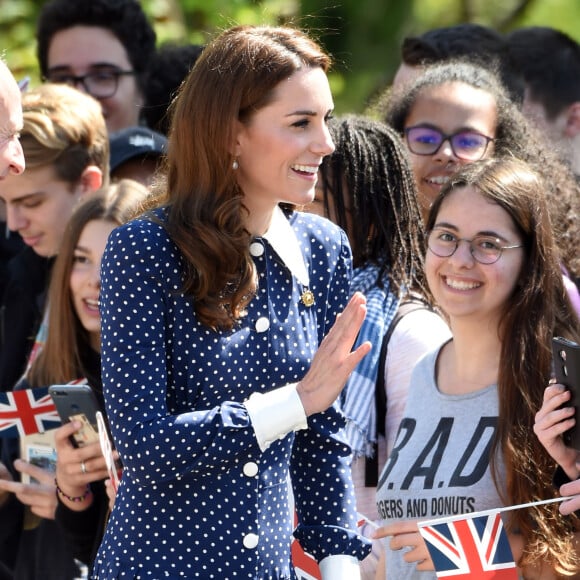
[298, 328]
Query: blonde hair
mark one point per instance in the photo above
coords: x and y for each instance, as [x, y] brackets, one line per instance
[64, 128]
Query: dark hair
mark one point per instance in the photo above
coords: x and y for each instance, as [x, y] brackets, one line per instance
[395, 105]
[549, 61]
[371, 186]
[514, 137]
[123, 18]
[168, 69]
[468, 42]
[234, 77]
[64, 355]
[538, 309]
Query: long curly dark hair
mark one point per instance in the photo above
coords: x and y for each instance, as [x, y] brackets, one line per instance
[370, 185]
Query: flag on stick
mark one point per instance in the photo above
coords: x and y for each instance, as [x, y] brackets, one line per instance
[471, 547]
[476, 543]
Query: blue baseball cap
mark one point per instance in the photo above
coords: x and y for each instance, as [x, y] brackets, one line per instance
[135, 142]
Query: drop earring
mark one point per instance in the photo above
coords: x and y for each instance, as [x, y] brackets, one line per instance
[235, 164]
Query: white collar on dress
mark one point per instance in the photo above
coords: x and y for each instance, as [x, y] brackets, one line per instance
[283, 239]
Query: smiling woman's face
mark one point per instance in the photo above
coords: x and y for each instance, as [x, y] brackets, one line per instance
[449, 108]
[282, 146]
[462, 286]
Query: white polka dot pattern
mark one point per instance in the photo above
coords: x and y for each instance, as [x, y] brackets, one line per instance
[198, 499]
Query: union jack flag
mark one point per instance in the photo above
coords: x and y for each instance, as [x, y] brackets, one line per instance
[305, 566]
[26, 412]
[475, 547]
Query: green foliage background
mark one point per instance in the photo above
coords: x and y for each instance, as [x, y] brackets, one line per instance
[362, 35]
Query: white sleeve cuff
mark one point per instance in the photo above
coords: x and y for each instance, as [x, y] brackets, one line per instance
[275, 414]
[340, 567]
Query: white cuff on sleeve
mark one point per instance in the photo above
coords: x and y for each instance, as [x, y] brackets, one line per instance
[275, 414]
[340, 567]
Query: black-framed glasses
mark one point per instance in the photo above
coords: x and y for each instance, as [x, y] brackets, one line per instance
[101, 83]
[466, 145]
[484, 249]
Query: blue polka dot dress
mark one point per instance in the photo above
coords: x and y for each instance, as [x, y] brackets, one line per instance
[198, 498]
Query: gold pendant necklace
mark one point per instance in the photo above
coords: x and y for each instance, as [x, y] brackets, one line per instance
[307, 298]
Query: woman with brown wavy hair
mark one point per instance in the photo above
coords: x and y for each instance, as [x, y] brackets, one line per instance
[466, 441]
[221, 355]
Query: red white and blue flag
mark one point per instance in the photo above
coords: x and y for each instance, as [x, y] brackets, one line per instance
[27, 412]
[305, 566]
[471, 547]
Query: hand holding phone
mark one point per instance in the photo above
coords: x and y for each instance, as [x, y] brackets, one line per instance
[566, 359]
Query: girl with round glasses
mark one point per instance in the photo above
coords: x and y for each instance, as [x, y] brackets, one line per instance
[466, 439]
[456, 113]
[485, 249]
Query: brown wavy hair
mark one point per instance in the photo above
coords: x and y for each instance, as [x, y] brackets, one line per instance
[234, 77]
[64, 354]
[538, 309]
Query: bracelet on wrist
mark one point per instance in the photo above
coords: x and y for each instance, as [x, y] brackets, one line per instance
[73, 498]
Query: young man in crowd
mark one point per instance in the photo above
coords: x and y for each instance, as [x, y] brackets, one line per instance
[549, 61]
[65, 143]
[102, 48]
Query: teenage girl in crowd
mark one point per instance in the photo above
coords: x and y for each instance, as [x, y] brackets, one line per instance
[466, 439]
[71, 352]
[222, 351]
[367, 188]
[456, 113]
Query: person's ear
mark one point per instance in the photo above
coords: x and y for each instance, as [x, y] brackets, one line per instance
[236, 147]
[91, 180]
[573, 120]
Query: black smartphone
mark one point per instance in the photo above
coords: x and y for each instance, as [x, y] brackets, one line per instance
[566, 355]
[77, 403]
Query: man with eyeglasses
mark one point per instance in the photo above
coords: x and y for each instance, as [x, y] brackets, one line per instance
[102, 48]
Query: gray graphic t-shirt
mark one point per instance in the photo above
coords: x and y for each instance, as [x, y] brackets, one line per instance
[439, 465]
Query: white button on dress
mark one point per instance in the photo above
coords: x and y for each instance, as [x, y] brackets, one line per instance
[262, 324]
[250, 541]
[250, 469]
[256, 249]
